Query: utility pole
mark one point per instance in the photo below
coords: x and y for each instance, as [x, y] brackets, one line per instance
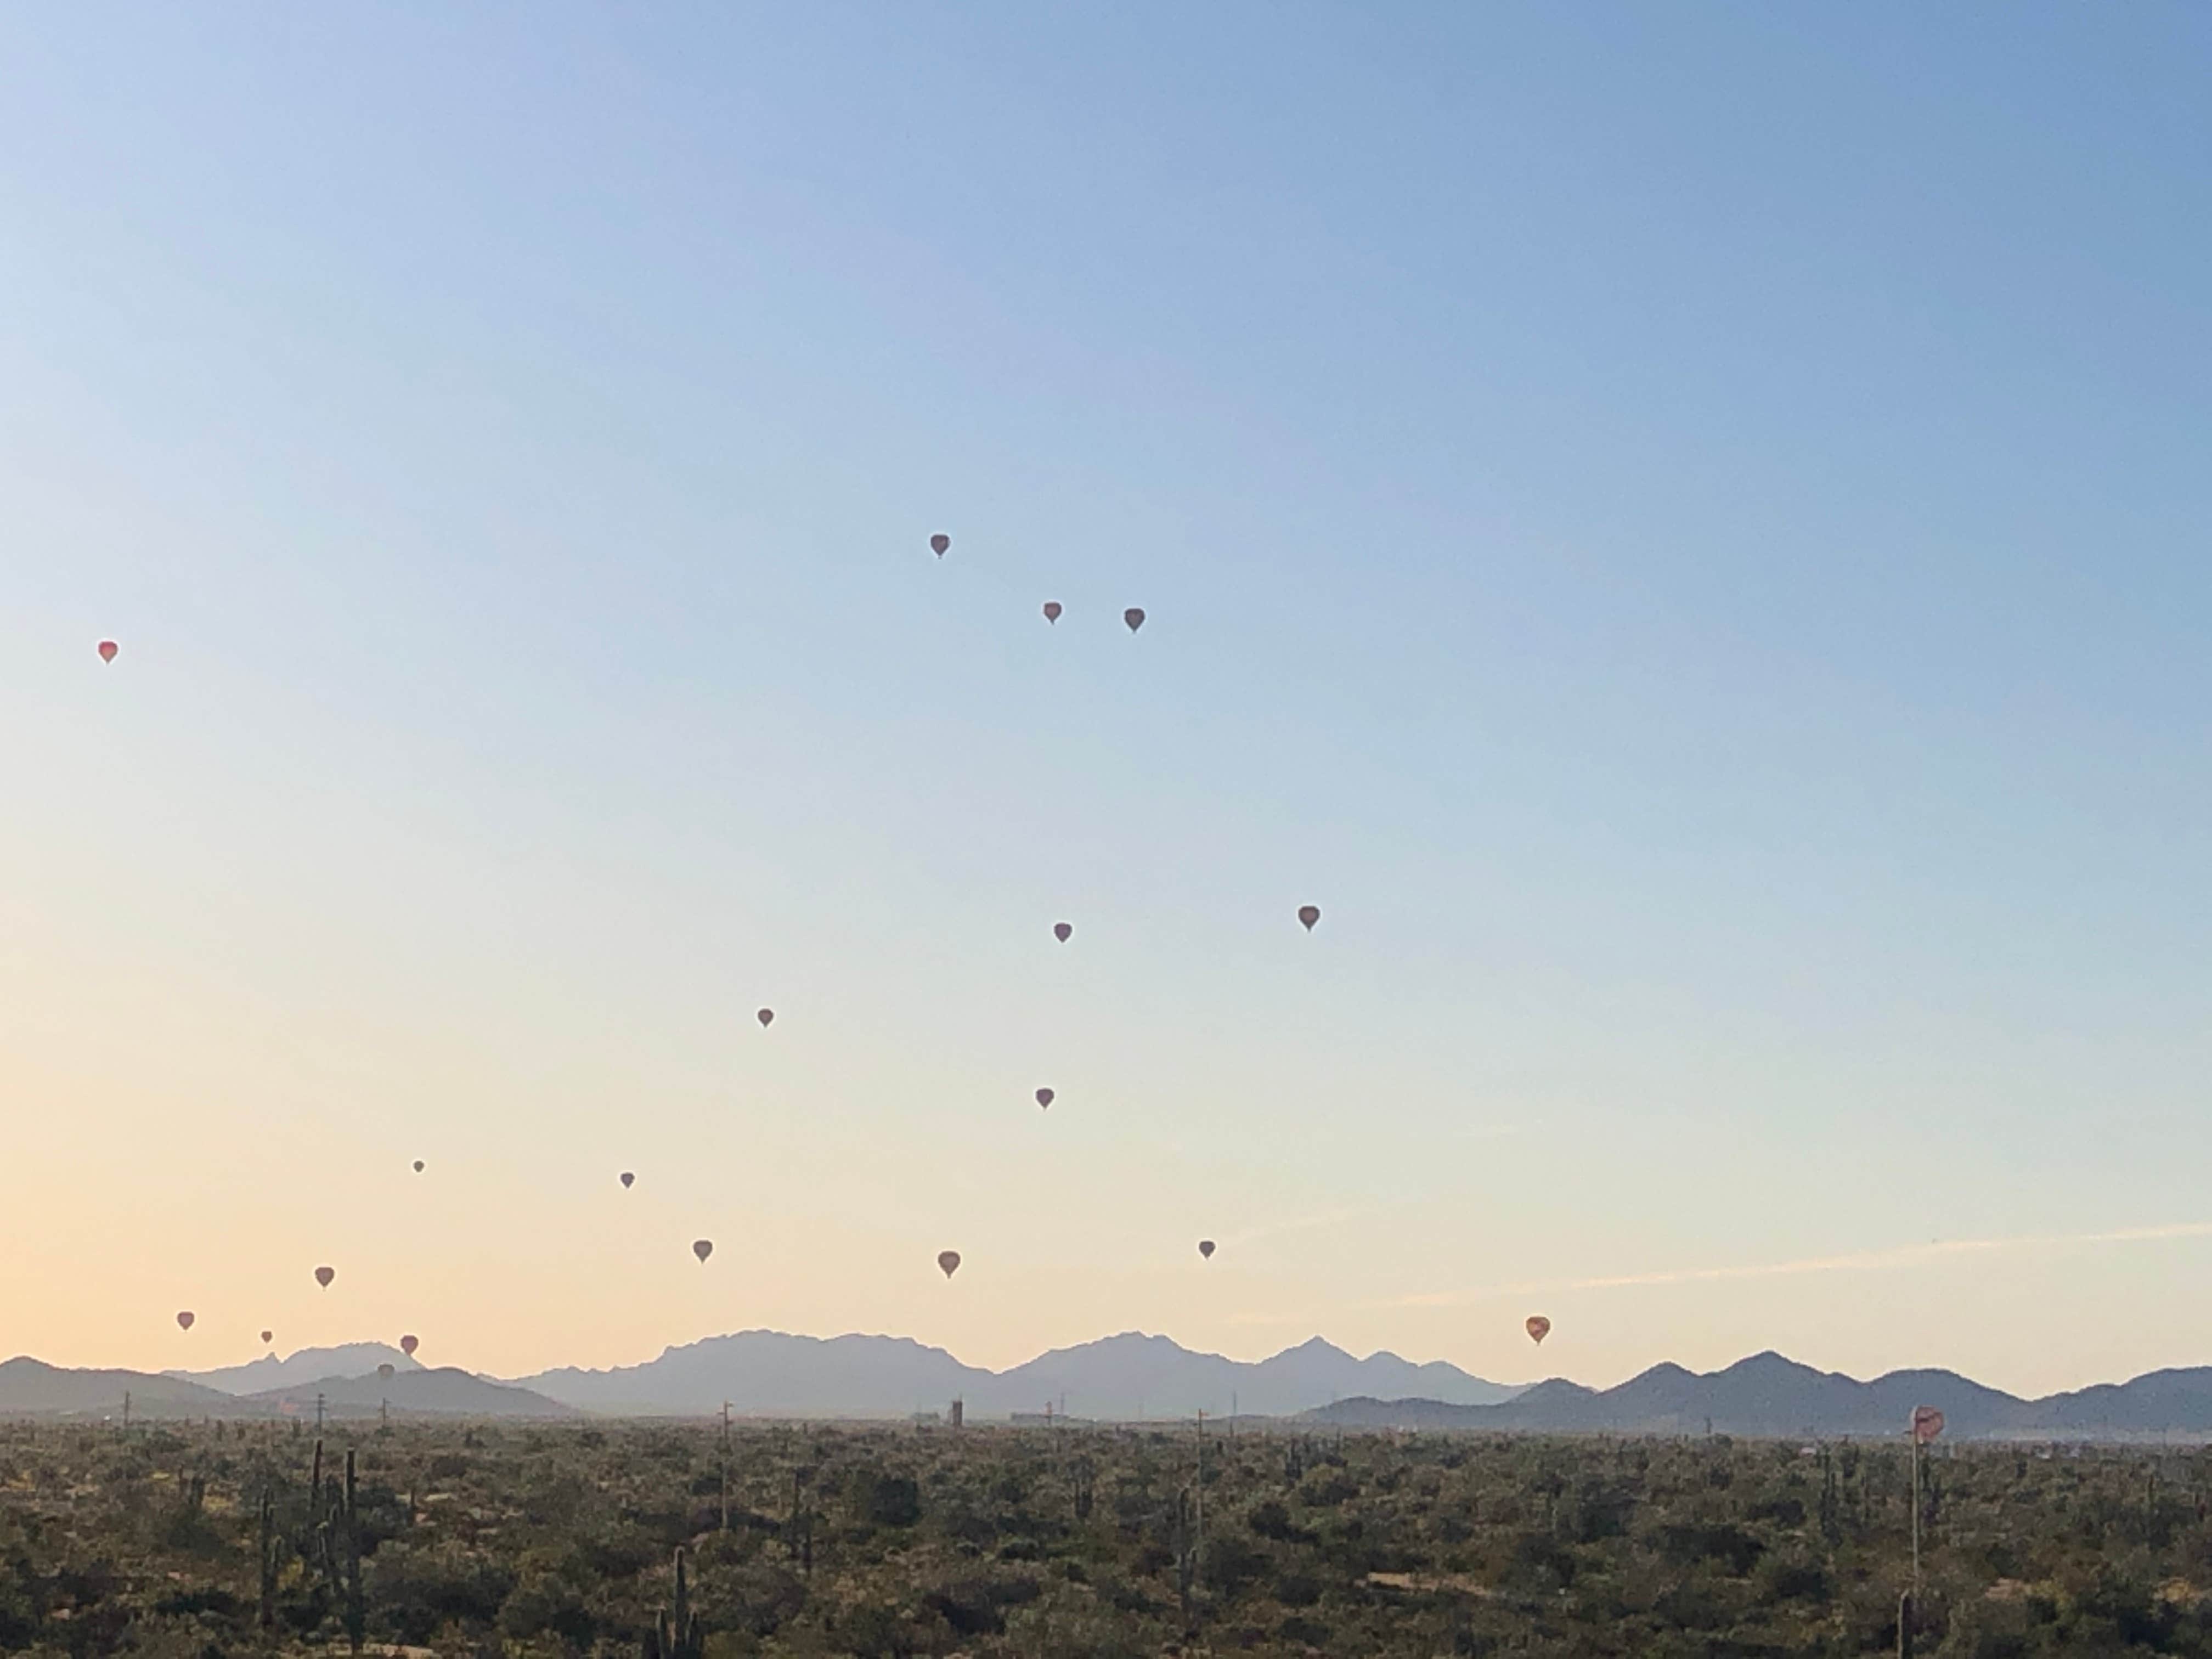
[1198, 1558]
[126, 1411]
[319, 1409]
[726, 1466]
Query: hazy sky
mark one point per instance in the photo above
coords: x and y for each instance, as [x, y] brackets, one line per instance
[1685, 529]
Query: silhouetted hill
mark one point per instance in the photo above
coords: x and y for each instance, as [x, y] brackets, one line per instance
[446, 1391]
[306, 1365]
[32, 1388]
[766, 1373]
[1769, 1395]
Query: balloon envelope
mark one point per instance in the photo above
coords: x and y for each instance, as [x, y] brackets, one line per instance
[324, 1275]
[183, 1322]
[627, 1177]
[408, 1345]
[1044, 1096]
[1310, 913]
[948, 1260]
[1927, 1424]
[1063, 931]
[939, 544]
[268, 1336]
[1206, 1248]
[765, 1016]
[1052, 610]
[1134, 617]
[107, 650]
[703, 1247]
[1539, 1328]
[419, 1166]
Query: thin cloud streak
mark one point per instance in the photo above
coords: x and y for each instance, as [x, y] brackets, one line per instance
[1862, 1261]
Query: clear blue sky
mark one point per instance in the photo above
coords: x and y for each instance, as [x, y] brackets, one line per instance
[1684, 529]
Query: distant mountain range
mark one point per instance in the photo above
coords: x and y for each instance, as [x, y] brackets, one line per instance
[1130, 1376]
[30, 1388]
[1767, 1396]
[766, 1373]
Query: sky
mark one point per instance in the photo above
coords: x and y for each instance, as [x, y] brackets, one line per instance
[1684, 530]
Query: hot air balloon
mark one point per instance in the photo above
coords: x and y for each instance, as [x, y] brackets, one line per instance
[939, 543]
[183, 1322]
[628, 1179]
[1206, 1248]
[268, 1336]
[1134, 617]
[324, 1275]
[1310, 913]
[419, 1166]
[408, 1345]
[1044, 1096]
[1052, 610]
[765, 1016]
[1063, 931]
[384, 1373]
[1927, 1424]
[108, 649]
[949, 1261]
[1539, 1328]
[703, 1247]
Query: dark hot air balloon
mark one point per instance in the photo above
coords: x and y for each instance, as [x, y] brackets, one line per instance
[628, 1179]
[939, 545]
[1063, 931]
[703, 1247]
[1206, 1248]
[1310, 913]
[408, 1345]
[183, 1322]
[384, 1373]
[1539, 1328]
[419, 1166]
[1134, 617]
[765, 1017]
[1927, 1424]
[107, 648]
[268, 1336]
[1052, 610]
[1044, 1096]
[324, 1275]
[949, 1261]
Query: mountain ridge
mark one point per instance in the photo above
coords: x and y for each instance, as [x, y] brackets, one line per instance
[1765, 1396]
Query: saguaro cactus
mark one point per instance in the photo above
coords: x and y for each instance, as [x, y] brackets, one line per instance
[676, 1629]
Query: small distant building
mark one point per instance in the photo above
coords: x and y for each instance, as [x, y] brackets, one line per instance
[956, 1413]
[927, 1419]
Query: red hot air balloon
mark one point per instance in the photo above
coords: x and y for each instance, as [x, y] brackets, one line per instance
[324, 1275]
[766, 1017]
[1927, 1424]
[628, 1179]
[1538, 1327]
[949, 1261]
[1052, 610]
[268, 1336]
[1063, 931]
[408, 1345]
[183, 1322]
[1206, 1248]
[939, 545]
[1044, 1096]
[703, 1247]
[107, 648]
[1308, 914]
[1134, 617]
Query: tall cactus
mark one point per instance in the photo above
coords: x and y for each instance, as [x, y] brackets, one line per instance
[676, 1630]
